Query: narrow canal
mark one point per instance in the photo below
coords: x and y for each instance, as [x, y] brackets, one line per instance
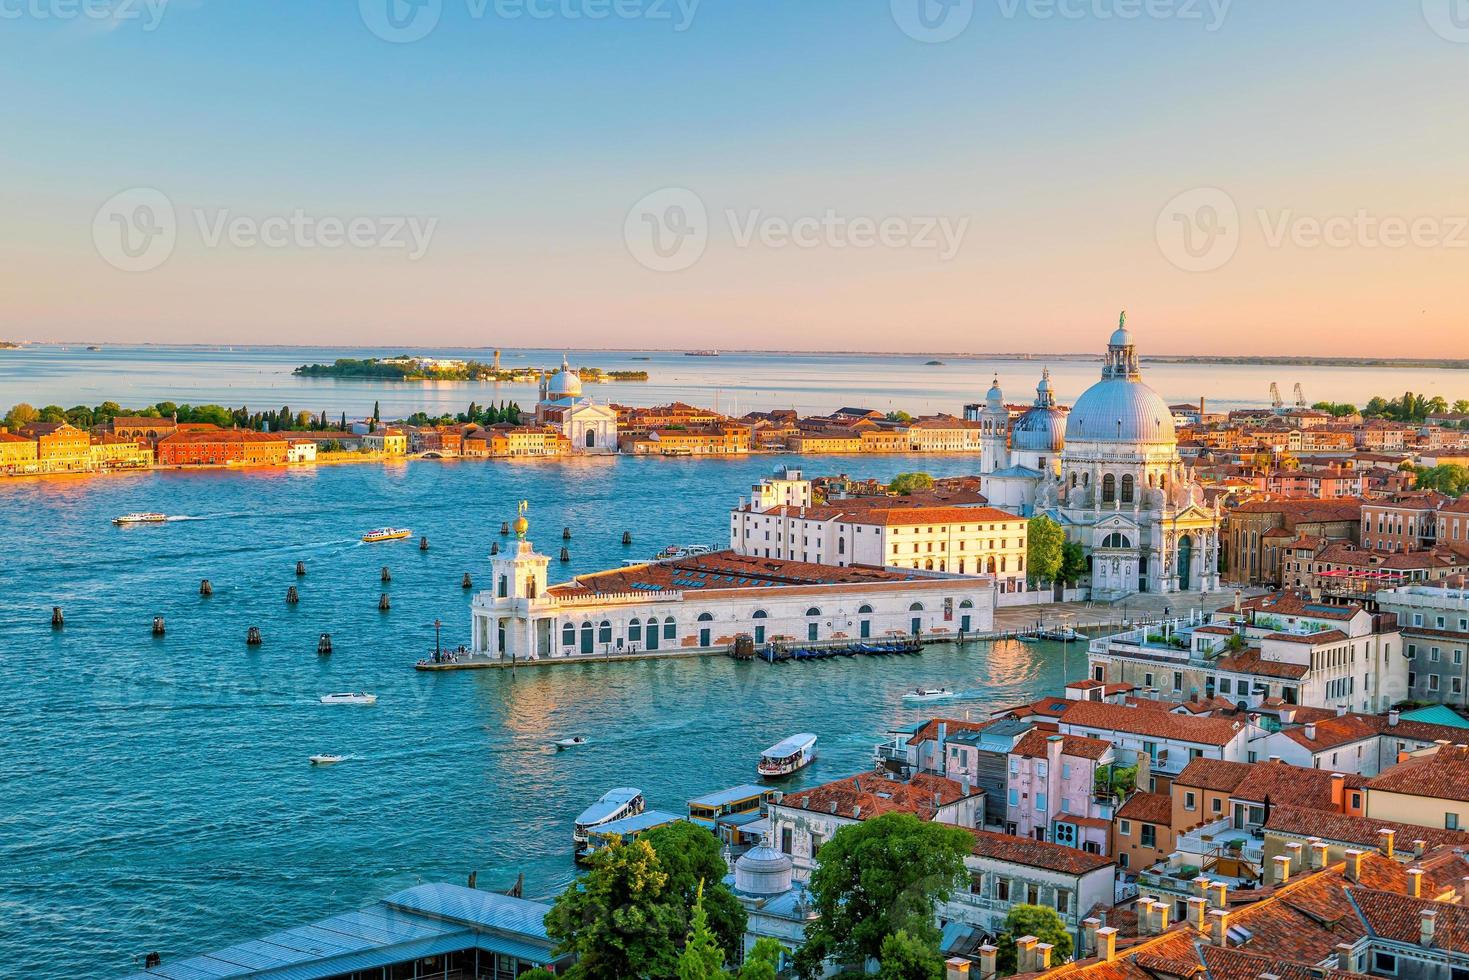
[157, 789]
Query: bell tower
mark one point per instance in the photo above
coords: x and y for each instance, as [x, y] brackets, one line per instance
[994, 422]
[520, 573]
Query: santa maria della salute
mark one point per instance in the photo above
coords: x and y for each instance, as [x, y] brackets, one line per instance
[1109, 472]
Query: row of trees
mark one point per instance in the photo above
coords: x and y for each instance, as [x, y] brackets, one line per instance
[1447, 478]
[1408, 408]
[84, 417]
[507, 413]
[656, 907]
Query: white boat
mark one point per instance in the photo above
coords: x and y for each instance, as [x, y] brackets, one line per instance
[928, 694]
[140, 518]
[572, 742]
[326, 760]
[386, 534]
[615, 804]
[358, 698]
[788, 755]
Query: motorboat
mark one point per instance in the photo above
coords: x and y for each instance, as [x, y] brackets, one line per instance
[140, 518]
[326, 760]
[615, 804]
[572, 742]
[386, 534]
[788, 755]
[928, 694]
[357, 698]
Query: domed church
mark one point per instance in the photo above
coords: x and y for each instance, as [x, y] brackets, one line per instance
[590, 427]
[1110, 474]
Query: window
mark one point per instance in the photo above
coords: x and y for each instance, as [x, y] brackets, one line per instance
[785, 840]
[1109, 489]
[568, 635]
[1451, 821]
[1127, 488]
[1151, 749]
[1384, 963]
[604, 632]
[1149, 835]
[1148, 679]
[1190, 801]
[1002, 889]
[670, 631]
[1063, 901]
[1216, 805]
[1040, 803]
[635, 631]
[1124, 827]
[1015, 797]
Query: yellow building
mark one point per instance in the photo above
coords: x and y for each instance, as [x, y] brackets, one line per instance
[389, 442]
[825, 441]
[120, 454]
[1430, 789]
[17, 453]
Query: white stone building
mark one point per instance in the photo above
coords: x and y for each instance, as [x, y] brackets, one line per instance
[703, 602]
[591, 427]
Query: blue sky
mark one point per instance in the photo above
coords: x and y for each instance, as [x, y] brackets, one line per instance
[526, 141]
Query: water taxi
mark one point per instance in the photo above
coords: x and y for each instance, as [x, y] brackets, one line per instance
[572, 742]
[788, 755]
[735, 815]
[326, 760]
[928, 694]
[140, 518]
[615, 804]
[386, 534]
[626, 827]
[357, 698]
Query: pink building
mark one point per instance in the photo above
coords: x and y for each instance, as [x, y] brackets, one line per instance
[1051, 792]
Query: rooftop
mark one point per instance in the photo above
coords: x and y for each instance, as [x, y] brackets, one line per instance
[722, 570]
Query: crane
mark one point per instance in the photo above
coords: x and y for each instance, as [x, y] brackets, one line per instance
[1300, 397]
[1275, 401]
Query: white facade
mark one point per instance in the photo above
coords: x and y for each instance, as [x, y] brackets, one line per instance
[590, 427]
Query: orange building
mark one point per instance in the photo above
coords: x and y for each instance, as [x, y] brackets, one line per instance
[60, 446]
[711, 441]
[222, 447]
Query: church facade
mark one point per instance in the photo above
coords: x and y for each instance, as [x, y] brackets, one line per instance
[1109, 472]
[591, 428]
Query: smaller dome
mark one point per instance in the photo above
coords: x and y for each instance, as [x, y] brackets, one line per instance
[1039, 430]
[995, 397]
[1121, 337]
[762, 870]
[565, 383]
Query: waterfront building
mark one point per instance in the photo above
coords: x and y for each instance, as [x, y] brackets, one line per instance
[588, 426]
[1168, 741]
[388, 440]
[702, 602]
[114, 453]
[143, 428]
[17, 453]
[1121, 489]
[944, 434]
[1435, 624]
[1281, 646]
[60, 446]
[1345, 742]
[209, 445]
[711, 440]
[1402, 522]
[433, 930]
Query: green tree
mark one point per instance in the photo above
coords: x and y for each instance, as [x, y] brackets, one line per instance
[877, 877]
[907, 484]
[377, 413]
[690, 856]
[1040, 921]
[80, 416]
[53, 413]
[106, 412]
[900, 417]
[763, 963]
[1073, 563]
[905, 958]
[1044, 541]
[615, 919]
[1461, 407]
[1447, 478]
[21, 414]
[539, 973]
[701, 959]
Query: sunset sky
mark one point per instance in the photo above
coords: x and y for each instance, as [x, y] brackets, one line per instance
[1068, 151]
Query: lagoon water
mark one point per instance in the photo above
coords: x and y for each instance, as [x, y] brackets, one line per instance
[157, 794]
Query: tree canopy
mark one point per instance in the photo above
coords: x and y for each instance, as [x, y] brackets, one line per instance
[905, 958]
[1044, 541]
[1040, 921]
[690, 856]
[1447, 478]
[907, 484]
[1073, 563]
[878, 877]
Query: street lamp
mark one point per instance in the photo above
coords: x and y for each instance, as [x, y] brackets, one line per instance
[438, 650]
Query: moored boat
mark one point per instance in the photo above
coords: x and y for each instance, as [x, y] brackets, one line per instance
[140, 518]
[386, 534]
[359, 697]
[788, 755]
[615, 804]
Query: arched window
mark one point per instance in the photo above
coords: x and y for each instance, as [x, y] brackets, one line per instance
[635, 631]
[967, 604]
[841, 546]
[1073, 480]
[591, 438]
[568, 635]
[1127, 488]
[586, 633]
[761, 614]
[1116, 540]
[1086, 479]
[604, 632]
[865, 610]
[1109, 489]
[928, 565]
[916, 607]
[705, 618]
[813, 611]
[670, 629]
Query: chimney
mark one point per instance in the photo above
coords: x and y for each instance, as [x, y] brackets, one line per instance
[1420, 847]
[1282, 869]
[987, 958]
[1310, 728]
[1310, 734]
[1464, 889]
[1145, 917]
[1025, 954]
[1198, 912]
[1107, 944]
[1354, 865]
[1425, 926]
[1415, 882]
[1089, 929]
[1221, 894]
[1160, 915]
[1341, 711]
[956, 969]
[1042, 957]
[1219, 927]
[1344, 958]
[1392, 718]
[1201, 886]
[1386, 838]
[1338, 791]
[1294, 850]
[1318, 855]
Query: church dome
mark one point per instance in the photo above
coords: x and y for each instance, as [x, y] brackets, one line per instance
[762, 870]
[1040, 430]
[995, 398]
[1121, 337]
[565, 383]
[1120, 410]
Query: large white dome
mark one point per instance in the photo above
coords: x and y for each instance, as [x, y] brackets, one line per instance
[1120, 410]
[565, 383]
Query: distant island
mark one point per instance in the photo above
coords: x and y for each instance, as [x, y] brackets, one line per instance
[408, 368]
[9, 345]
[1458, 364]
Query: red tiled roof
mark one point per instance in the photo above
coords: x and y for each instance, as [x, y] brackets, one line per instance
[1397, 918]
[869, 795]
[1341, 730]
[1156, 808]
[722, 570]
[1036, 854]
[1035, 745]
[1443, 775]
[1212, 774]
[1250, 661]
[1341, 828]
[1138, 721]
[908, 516]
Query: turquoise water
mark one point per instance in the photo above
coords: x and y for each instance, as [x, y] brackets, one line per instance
[157, 793]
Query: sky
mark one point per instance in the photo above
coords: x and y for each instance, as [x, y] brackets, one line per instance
[1243, 176]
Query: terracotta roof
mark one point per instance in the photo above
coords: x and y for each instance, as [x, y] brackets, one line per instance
[1212, 774]
[1284, 783]
[1036, 854]
[930, 729]
[1138, 721]
[1397, 917]
[1340, 828]
[1312, 511]
[1250, 661]
[1154, 808]
[909, 516]
[869, 795]
[182, 436]
[1344, 729]
[721, 570]
[1443, 775]
[1287, 603]
[1309, 639]
[1034, 744]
